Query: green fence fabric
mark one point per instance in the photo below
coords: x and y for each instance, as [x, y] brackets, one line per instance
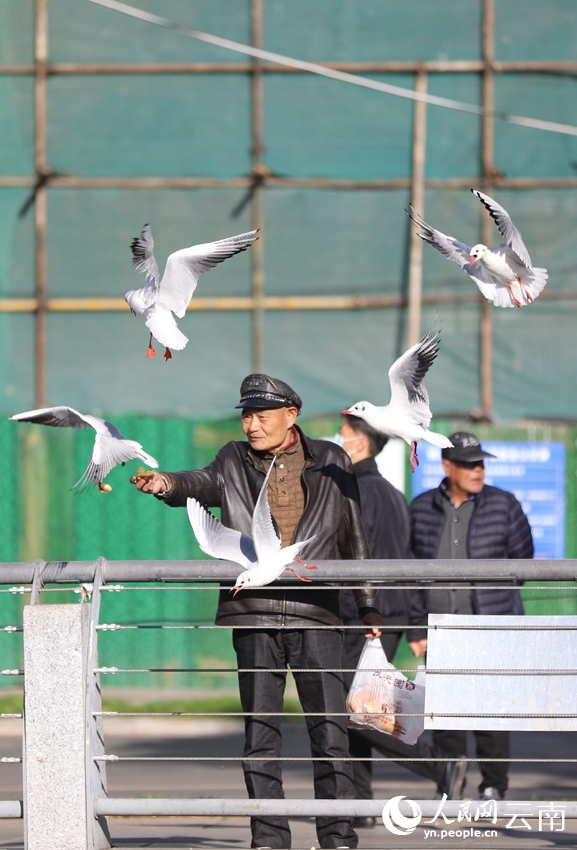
[42, 518]
[82, 32]
[328, 31]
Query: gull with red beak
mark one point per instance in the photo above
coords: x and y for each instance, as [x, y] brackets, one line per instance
[408, 414]
[158, 299]
[261, 555]
[505, 275]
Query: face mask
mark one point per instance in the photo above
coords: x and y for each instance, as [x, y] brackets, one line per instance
[340, 441]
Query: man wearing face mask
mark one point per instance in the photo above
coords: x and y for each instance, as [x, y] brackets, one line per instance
[386, 521]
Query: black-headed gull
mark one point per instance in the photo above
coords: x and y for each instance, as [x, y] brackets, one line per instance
[158, 299]
[505, 274]
[110, 447]
[408, 414]
[261, 555]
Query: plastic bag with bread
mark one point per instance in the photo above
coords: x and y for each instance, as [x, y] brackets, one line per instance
[383, 699]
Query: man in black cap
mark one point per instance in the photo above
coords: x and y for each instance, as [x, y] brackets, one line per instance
[465, 518]
[312, 491]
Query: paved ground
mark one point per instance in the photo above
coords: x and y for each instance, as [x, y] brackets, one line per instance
[541, 782]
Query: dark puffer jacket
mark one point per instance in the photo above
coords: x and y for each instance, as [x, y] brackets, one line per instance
[332, 514]
[498, 530]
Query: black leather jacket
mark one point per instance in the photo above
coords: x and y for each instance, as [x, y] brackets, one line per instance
[232, 483]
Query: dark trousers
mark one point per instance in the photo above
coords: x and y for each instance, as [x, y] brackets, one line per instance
[361, 743]
[322, 693]
[488, 745]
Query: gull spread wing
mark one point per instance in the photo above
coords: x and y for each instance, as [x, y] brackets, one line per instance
[506, 227]
[57, 417]
[217, 540]
[143, 260]
[406, 376]
[184, 267]
[142, 248]
[110, 449]
[447, 245]
[264, 536]
[454, 250]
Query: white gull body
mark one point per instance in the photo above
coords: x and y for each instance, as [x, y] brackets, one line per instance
[158, 299]
[408, 414]
[110, 447]
[505, 275]
[261, 555]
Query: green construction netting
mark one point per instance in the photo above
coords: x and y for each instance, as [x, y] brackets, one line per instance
[316, 242]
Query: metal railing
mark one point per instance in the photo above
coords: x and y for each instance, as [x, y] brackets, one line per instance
[64, 712]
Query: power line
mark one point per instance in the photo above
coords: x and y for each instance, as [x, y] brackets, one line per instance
[342, 76]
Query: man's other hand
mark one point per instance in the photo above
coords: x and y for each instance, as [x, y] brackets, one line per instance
[373, 619]
[418, 647]
[152, 484]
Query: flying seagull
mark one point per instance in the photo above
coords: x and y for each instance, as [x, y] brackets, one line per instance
[158, 299]
[408, 414]
[505, 274]
[261, 555]
[110, 447]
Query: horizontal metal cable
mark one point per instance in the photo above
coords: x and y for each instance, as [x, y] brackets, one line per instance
[10, 760]
[247, 670]
[11, 672]
[113, 627]
[417, 585]
[482, 671]
[11, 629]
[430, 715]
[41, 589]
[294, 626]
[11, 715]
[250, 714]
[327, 759]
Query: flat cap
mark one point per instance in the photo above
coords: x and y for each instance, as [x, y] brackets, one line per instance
[265, 392]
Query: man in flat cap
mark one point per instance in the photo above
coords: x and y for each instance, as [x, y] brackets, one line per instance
[312, 491]
[466, 518]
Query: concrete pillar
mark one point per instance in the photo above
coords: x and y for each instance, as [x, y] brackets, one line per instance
[58, 749]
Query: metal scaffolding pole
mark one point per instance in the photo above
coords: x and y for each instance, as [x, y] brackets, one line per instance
[432, 66]
[40, 206]
[418, 202]
[258, 172]
[488, 152]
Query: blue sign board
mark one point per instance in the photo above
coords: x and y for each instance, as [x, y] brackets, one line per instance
[533, 472]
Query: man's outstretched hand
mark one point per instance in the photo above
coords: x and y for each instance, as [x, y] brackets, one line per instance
[151, 483]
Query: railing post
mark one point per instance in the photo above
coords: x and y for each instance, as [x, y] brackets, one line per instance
[98, 835]
[58, 656]
[34, 600]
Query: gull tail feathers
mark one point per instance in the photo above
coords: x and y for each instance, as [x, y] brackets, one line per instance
[146, 458]
[294, 549]
[538, 283]
[163, 327]
[438, 440]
